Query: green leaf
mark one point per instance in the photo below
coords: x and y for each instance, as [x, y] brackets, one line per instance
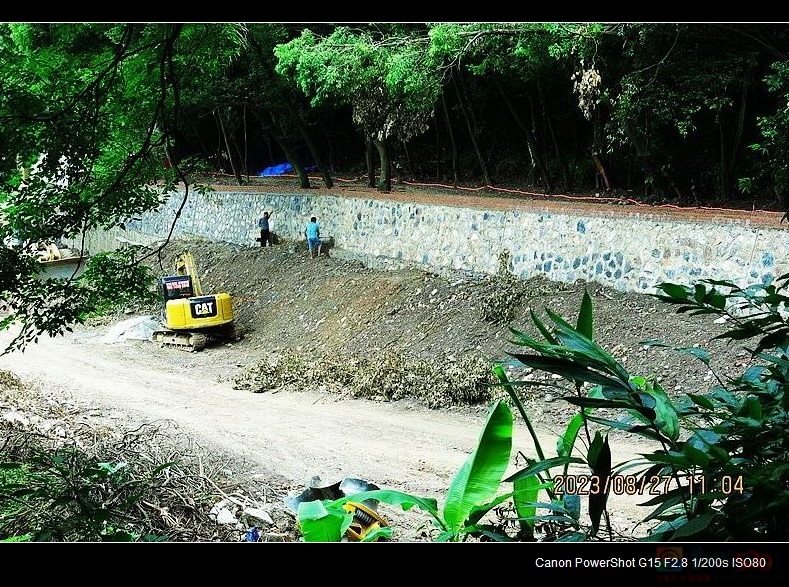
[523, 339]
[544, 330]
[678, 461]
[572, 505]
[567, 368]
[697, 352]
[701, 400]
[674, 291]
[501, 375]
[664, 502]
[585, 324]
[666, 418]
[19, 538]
[593, 402]
[318, 523]
[695, 525]
[584, 345]
[540, 466]
[696, 456]
[479, 511]
[565, 444]
[599, 458]
[526, 490]
[479, 478]
[572, 537]
[375, 534]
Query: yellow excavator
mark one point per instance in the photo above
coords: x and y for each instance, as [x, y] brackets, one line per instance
[192, 319]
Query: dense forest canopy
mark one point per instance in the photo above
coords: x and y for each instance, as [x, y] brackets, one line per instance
[98, 117]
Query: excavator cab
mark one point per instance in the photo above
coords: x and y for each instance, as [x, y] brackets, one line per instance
[176, 287]
[191, 318]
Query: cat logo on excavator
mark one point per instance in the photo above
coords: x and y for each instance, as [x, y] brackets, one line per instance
[192, 319]
[203, 307]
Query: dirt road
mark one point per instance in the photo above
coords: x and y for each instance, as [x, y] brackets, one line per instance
[289, 435]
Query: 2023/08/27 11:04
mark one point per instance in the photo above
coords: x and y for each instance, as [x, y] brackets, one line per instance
[573, 484]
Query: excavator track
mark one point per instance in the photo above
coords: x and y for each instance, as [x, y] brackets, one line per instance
[189, 341]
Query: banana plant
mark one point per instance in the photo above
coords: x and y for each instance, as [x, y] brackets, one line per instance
[474, 491]
[571, 353]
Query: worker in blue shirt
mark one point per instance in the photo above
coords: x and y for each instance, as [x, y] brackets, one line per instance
[313, 234]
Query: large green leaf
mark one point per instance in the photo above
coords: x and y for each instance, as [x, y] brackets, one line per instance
[666, 418]
[689, 527]
[501, 375]
[701, 354]
[319, 523]
[394, 497]
[584, 345]
[478, 511]
[568, 368]
[543, 329]
[566, 443]
[523, 339]
[478, 480]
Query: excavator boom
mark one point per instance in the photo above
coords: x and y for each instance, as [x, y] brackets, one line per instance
[186, 265]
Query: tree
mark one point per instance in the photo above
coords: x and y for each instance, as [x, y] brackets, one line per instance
[90, 113]
[772, 151]
[289, 116]
[382, 72]
[679, 101]
[518, 64]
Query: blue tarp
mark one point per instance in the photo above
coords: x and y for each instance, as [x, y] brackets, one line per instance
[280, 169]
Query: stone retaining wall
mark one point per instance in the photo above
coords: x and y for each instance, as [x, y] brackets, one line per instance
[626, 250]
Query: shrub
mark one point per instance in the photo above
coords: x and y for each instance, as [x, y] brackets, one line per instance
[723, 452]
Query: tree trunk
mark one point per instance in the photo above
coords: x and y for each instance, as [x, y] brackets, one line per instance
[298, 167]
[293, 159]
[228, 151]
[307, 138]
[324, 171]
[557, 151]
[597, 148]
[241, 159]
[531, 143]
[409, 168]
[290, 153]
[244, 156]
[472, 132]
[452, 140]
[601, 170]
[368, 157]
[385, 181]
[736, 141]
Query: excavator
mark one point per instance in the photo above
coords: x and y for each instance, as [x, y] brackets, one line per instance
[191, 318]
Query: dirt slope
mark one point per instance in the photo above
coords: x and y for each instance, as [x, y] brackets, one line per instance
[272, 400]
